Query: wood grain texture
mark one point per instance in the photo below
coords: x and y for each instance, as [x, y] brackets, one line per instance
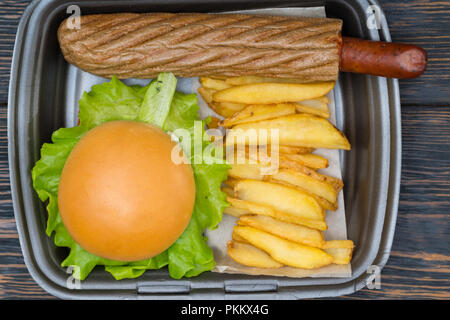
[15, 281]
[419, 265]
[423, 23]
[10, 13]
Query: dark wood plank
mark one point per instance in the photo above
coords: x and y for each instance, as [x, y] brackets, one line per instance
[10, 13]
[419, 265]
[424, 23]
[15, 281]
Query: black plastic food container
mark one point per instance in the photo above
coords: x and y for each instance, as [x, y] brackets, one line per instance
[368, 111]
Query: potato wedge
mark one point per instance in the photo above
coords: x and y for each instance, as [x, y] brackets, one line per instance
[228, 191]
[320, 103]
[340, 250]
[237, 81]
[265, 210]
[280, 197]
[238, 238]
[214, 84]
[250, 256]
[324, 203]
[233, 106]
[322, 191]
[305, 109]
[262, 154]
[336, 183]
[321, 188]
[246, 171]
[257, 112]
[301, 130]
[340, 255]
[288, 177]
[284, 251]
[235, 212]
[333, 244]
[221, 110]
[214, 123]
[310, 160]
[231, 182]
[226, 109]
[207, 94]
[264, 93]
[323, 99]
[285, 230]
[294, 150]
[313, 106]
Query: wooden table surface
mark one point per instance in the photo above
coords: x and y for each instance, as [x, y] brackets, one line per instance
[419, 265]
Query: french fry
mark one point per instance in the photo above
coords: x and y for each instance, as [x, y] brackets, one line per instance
[251, 207]
[340, 255]
[335, 244]
[280, 212]
[285, 230]
[320, 103]
[250, 256]
[265, 93]
[214, 84]
[280, 197]
[323, 99]
[321, 191]
[214, 123]
[336, 183]
[324, 203]
[264, 152]
[237, 237]
[321, 188]
[233, 106]
[313, 106]
[309, 160]
[237, 81]
[261, 153]
[301, 130]
[340, 250]
[257, 112]
[228, 191]
[291, 172]
[235, 212]
[221, 110]
[207, 94]
[294, 150]
[284, 251]
[246, 171]
[218, 77]
[226, 109]
[230, 182]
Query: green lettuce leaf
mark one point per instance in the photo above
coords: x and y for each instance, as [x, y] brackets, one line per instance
[158, 104]
[157, 100]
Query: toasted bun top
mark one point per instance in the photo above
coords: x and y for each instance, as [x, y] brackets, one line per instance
[121, 196]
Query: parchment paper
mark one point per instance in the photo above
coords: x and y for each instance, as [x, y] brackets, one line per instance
[79, 81]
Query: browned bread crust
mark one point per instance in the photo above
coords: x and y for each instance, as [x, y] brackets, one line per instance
[132, 45]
